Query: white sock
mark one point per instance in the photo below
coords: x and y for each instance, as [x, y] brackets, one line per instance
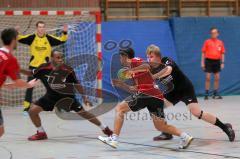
[102, 126]
[184, 135]
[114, 137]
[40, 129]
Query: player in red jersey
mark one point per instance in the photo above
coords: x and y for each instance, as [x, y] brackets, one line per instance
[166, 70]
[146, 96]
[9, 66]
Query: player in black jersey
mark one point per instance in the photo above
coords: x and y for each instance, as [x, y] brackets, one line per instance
[57, 77]
[165, 68]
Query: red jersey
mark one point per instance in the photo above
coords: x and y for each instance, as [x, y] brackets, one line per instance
[213, 49]
[9, 66]
[144, 81]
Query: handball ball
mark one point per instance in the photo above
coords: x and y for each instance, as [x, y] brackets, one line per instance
[122, 74]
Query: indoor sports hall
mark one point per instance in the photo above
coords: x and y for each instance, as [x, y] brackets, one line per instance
[117, 79]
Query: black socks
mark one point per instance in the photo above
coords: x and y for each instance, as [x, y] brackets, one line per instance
[206, 93]
[220, 125]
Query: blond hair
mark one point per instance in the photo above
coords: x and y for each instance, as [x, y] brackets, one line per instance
[153, 49]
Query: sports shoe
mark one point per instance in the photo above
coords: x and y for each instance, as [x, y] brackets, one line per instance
[163, 136]
[185, 142]
[230, 132]
[26, 109]
[217, 96]
[107, 131]
[109, 141]
[206, 97]
[25, 113]
[26, 106]
[38, 136]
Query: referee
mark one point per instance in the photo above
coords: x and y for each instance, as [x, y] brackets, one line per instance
[41, 45]
[213, 61]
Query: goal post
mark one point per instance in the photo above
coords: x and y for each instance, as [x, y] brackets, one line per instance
[84, 40]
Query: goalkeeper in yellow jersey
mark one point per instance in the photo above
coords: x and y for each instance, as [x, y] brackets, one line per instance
[40, 44]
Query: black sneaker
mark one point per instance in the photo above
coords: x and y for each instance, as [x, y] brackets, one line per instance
[206, 97]
[26, 109]
[230, 132]
[163, 136]
[217, 96]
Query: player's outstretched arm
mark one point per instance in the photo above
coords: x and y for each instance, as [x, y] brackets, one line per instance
[13, 71]
[19, 83]
[26, 39]
[163, 73]
[58, 40]
[142, 68]
[120, 84]
[26, 72]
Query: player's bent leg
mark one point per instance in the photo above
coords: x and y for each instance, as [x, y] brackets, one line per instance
[35, 118]
[167, 103]
[200, 114]
[120, 109]
[34, 114]
[161, 125]
[155, 107]
[92, 118]
[163, 135]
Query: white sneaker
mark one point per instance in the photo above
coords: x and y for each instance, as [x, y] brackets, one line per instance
[109, 141]
[185, 142]
[25, 113]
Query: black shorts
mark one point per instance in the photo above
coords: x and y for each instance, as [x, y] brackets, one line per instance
[1, 118]
[212, 66]
[47, 103]
[140, 101]
[186, 94]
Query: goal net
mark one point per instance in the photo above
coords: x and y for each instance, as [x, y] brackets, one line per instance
[82, 50]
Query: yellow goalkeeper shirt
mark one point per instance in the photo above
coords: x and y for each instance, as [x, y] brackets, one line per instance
[41, 47]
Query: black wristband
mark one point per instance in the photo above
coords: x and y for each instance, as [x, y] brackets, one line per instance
[64, 32]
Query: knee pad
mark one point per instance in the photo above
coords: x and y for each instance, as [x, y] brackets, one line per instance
[201, 114]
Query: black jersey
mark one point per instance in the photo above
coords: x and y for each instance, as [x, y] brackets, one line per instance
[58, 82]
[177, 77]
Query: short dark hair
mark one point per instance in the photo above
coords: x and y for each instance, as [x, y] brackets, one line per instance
[213, 28]
[8, 35]
[129, 52]
[40, 22]
[54, 51]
